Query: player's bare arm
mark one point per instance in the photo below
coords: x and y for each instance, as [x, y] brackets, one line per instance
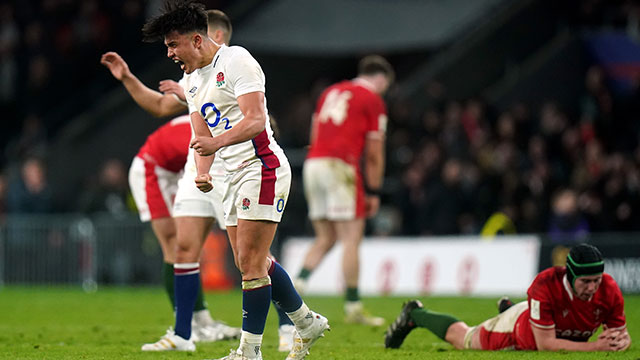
[373, 170]
[203, 163]
[154, 102]
[546, 341]
[253, 123]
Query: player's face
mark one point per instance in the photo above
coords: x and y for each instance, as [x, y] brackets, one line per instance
[180, 49]
[586, 286]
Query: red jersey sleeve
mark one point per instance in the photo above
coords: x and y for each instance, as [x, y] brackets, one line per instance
[377, 115]
[615, 318]
[540, 297]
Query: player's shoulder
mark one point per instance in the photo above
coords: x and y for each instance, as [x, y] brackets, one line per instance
[236, 51]
[549, 276]
[608, 281]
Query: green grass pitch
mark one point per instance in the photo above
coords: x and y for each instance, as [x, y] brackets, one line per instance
[66, 323]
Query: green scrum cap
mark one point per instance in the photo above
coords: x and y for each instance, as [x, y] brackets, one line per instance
[584, 260]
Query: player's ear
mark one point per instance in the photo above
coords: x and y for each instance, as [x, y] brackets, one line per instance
[196, 40]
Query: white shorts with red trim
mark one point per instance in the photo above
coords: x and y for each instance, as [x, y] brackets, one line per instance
[333, 189]
[497, 332]
[191, 202]
[153, 189]
[256, 192]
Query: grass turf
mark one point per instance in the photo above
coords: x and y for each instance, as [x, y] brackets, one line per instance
[66, 323]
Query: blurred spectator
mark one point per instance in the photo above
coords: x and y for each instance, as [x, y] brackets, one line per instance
[567, 224]
[109, 193]
[29, 192]
[31, 141]
[445, 202]
[9, 39]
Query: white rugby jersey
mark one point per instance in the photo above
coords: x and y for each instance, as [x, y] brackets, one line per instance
[217, 170]
[213, 91]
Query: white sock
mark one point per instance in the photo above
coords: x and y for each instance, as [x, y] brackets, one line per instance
[250, 344]
[202, 317]
[352, 306]
[302, 317]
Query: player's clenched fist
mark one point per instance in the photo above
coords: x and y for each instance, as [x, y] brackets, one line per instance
[204, 145]
[203, 182]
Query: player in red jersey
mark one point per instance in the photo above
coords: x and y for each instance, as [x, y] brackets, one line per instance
[348, 128]
[564, 308]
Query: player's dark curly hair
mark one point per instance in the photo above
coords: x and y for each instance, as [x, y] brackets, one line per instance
[182, 16]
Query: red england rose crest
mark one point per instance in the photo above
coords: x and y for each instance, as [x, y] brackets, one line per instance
[245, 204]
[219, 79]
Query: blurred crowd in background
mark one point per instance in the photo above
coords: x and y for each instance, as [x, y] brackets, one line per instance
[451, 163]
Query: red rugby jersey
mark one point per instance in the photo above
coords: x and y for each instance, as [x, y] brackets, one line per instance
[552, 304]
[168, 146]
[346, 113]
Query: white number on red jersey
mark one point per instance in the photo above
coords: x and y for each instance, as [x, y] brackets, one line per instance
[335, 107]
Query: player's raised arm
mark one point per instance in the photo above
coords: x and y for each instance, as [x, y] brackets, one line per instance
[154, 102]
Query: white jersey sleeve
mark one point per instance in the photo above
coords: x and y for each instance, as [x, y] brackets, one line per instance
[245, 74]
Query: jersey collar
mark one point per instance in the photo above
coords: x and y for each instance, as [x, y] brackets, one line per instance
[567, 286]
[364, 83]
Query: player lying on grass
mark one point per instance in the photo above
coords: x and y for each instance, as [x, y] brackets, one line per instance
[565, 306]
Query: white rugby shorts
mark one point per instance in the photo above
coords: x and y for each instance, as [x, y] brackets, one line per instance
[153, 189]
[256, 193]
[333, 189]
[191, 202]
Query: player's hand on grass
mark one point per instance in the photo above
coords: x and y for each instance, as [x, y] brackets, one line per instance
[203, 182]
[114, 62]
[613, 340]
[172, 87]
[204, 145]
[622, 341]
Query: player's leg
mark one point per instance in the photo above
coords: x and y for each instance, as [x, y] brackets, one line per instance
[319, 182]
[192, 203]
[153, 189]
[325, 238]
[413, 314]
[252, 240]
[350, 233]
[191, 234]
[286, 329]
[165, 231]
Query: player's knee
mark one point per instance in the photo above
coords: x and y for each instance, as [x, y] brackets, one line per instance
[249, 262]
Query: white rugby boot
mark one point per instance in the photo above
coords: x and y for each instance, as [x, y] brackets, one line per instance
[238, 355]
[286, 334]
[170, 342]
[356, 314]
[305, 338]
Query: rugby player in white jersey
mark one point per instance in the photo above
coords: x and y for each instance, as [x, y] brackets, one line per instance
[193, 212]
[193, 209]
[224, 87]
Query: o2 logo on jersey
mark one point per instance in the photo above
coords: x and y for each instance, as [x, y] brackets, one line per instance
[280, 205]
[213, 107]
